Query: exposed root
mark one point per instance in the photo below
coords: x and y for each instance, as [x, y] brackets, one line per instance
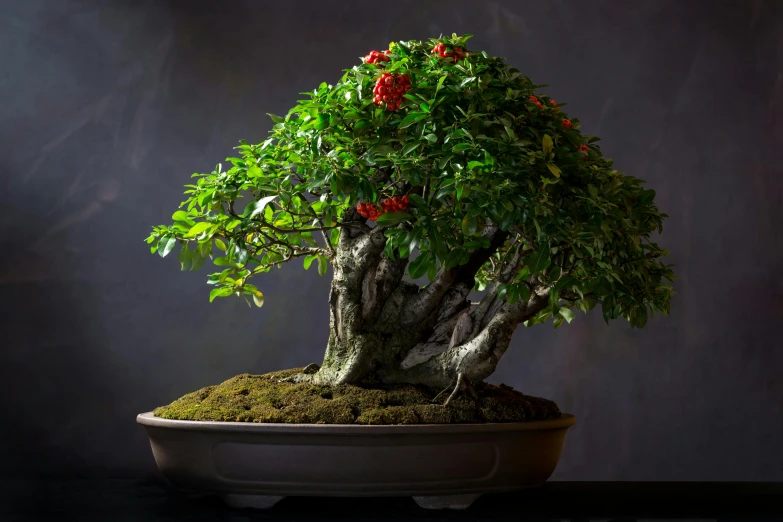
[299, 377]
[311, 368]
[462, 380]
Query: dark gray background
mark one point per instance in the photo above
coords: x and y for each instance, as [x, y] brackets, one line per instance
[108, 107]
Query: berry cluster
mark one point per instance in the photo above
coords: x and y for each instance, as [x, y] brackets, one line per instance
[371, 211]
[567, 123]
[585, 150]
[458, 53]
[536, 102]
[389, 90]
[375, 57]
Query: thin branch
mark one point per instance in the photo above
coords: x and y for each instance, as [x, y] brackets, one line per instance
[323, 233]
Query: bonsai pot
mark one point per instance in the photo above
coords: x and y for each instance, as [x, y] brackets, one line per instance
[439, 465]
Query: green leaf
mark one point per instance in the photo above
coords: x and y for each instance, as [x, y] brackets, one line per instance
[469, 225]
[554, 169]
[181, 215]
[166, 244]
[538, 260]
[392, 218]
[198, 259]
[567, 314]
[255, 208]
[219, 292]
[461, 146]
[418, 202]
[419, 266]
[437, 243]
[321, 122]
[444, 161]
[432, 138]
[258, 298]
[184, 257]
[323, 264]
[308, 260]
[547, 144]
[220, 244]
[362, 127]
[607, 308]
[198, 228]
[440, 83]
[275, 118]
[412, 118]
[410, 147]
[524, 292]
[639, 317]
[223, 261]
[240, 255]
[457, 257]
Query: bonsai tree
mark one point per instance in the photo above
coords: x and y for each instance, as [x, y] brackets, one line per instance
[428, 161]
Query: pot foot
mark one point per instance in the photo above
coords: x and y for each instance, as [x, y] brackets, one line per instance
[447, 501]
[250, 501]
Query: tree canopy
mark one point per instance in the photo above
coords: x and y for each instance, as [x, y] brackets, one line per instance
[472, 143]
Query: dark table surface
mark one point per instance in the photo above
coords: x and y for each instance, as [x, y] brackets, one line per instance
[155, 500]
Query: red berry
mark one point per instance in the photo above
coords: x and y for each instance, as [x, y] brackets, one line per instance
[533, 99]
[584, 148]
[388, 80]
[404, 199]
[390, 107]
[538, 104]
[553, 102]
[567, 123]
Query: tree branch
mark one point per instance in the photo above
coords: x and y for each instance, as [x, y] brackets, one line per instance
[429, 298]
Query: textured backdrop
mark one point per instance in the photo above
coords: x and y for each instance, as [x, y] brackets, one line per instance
[108, 107]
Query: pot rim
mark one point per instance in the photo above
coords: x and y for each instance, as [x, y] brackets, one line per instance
[148, 419]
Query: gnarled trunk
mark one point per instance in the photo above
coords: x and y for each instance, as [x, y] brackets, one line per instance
[387, 330]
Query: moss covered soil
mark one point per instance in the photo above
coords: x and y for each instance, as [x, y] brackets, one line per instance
[261, 398]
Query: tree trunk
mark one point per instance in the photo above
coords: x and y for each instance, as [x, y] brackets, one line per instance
[387, 330]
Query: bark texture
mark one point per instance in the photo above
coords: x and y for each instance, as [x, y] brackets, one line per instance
[384, 329]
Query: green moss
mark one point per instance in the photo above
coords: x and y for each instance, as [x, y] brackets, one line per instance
[261, 398]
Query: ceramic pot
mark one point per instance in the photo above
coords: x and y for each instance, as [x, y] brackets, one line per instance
[439, 465]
